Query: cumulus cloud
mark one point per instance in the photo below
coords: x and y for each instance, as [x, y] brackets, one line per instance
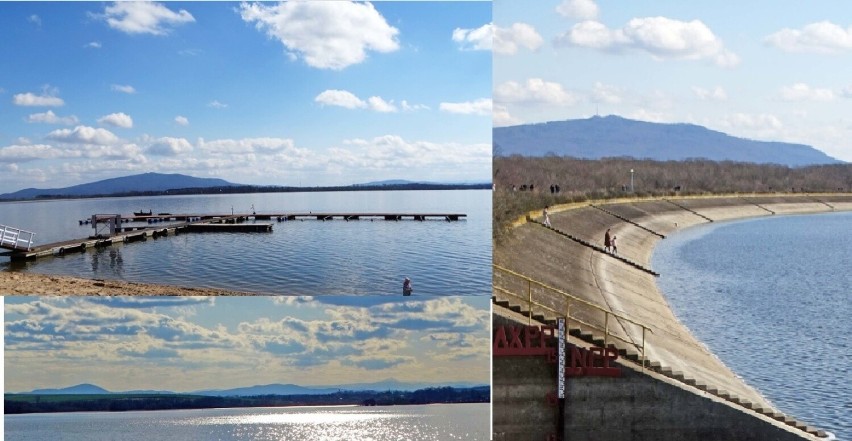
[217, 105]
[822, 37]
[715, 94]
[481, 107]
[533, 91]
[181, 120]
[661, 37]
[578, 9]
[119, 119]
[604, 93]
[246, 145]
[478, 39]
[167, 146]
[51, 118]
[346, 99]
[34, 19]
[46, 99]
[83, 135]
[143, 17]
[25, 153]
[507, 41]
[123, 89]
[804, 92]
[753, 122]
[501, 117]
[94, 44]
[326, 35]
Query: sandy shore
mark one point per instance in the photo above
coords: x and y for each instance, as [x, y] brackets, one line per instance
[16, 283]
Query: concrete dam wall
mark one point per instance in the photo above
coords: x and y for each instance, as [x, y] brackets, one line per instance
[685, 392]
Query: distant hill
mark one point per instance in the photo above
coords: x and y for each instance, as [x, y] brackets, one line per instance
[80, 389]
[613, 136]
[268, 389]
[135, 183]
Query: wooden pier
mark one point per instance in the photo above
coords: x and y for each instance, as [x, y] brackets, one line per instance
[282, 217]
[124, 230]
[138, 234]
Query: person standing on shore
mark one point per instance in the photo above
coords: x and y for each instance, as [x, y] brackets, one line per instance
[546, 217]
[406, 287]
[607, 241]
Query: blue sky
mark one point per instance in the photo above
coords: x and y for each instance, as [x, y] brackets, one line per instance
[769, 70]
[190, 343]
[325, 93]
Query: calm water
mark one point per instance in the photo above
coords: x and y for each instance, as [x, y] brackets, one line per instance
[438, 422]
[309, 257]
[772, 298]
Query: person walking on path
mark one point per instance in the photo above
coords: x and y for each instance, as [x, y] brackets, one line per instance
[607, 241]
[406, 287]
[614, 246]
[546, 217]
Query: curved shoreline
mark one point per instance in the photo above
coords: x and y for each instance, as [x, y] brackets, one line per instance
[596, 277]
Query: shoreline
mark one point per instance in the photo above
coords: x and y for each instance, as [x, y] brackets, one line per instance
[593, 276]
[19, 283]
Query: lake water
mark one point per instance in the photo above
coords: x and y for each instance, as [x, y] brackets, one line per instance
[299, 257]
[772, 298]
[438, 422]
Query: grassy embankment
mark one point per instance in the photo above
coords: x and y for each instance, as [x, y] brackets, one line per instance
[581, 180]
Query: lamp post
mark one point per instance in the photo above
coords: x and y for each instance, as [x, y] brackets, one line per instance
[631, 180]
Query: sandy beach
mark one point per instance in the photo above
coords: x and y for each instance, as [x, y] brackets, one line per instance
[17, 283]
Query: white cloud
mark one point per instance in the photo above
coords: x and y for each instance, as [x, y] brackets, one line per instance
[412, 107]
[123, 88]
[380, 105]
[804, 92]
[143, 17]
[340, 98]
[753, 122]
[168, 146]
[507, 41]
[50, 118]
[846, 92]
[182, 120]
[34, 19]
[346, 99]
[578, 9]
[478, 39]
[604, 93]
[94, 44]
[24, 153]
[30, 99]
[535, 90]
[481, 107]
[716, 94]
[119, 119]
[501, 117]
[391, 152]
[822, 37]
[83, 135]
[217, 105]
[661, 37]
[643, 114]
[326, 35]
[246, 145]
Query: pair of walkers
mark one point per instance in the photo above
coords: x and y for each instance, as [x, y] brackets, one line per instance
[609, 243]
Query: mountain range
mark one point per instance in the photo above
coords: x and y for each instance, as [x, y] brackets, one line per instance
[267, 389]
[613, 136]
[135, 183]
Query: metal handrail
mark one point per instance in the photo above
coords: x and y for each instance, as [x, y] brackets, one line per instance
[12, 236]
[569, 299]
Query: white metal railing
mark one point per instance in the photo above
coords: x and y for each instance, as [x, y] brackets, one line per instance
[16, 239]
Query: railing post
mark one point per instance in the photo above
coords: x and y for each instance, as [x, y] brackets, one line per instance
[643, 349]
[529, 293]
[606, 328]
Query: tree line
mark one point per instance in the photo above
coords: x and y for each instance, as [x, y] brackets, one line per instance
[28, 403]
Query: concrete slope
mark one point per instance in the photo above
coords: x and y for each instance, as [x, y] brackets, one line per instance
[552, 259]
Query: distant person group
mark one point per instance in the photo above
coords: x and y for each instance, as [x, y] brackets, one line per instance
[554, 188]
